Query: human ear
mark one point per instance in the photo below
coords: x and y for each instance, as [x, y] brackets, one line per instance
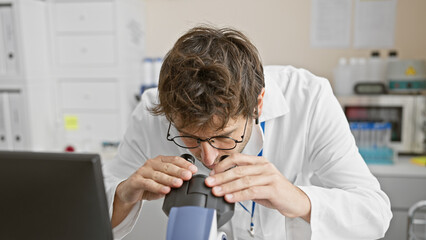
[259, 107]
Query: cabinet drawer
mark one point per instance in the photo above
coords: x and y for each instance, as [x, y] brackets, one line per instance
[398, 226]
[82, 16]
[403, 192]
[96, 50]
[89, 95]
[97, 127]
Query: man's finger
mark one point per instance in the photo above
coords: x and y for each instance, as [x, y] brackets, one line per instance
[178, 161]
[171, 170]
[234, 173]
[237, 159]
[240, 184]
[150, 185]
[258, 192]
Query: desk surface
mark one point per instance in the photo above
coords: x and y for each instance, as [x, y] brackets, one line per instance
[401, 168]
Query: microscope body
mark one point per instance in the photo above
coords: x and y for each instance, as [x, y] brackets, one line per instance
[191, 222]
[193, 207]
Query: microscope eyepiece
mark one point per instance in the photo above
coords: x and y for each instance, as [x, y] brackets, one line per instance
[188, 157]
[195, 193]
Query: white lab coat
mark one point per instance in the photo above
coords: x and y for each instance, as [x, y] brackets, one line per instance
[307, 138]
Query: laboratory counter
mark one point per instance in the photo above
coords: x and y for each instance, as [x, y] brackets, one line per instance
[405, 184]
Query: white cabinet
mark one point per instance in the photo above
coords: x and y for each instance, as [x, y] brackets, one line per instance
[89, 16]
[26, 118]
[96, 65]
[80, 51]
[94, 128]
[72, 68]
[405, 184]
[90, 95]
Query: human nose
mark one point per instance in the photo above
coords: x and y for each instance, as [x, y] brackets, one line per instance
[208, 153]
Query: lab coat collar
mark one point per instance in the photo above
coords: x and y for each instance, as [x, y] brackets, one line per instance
[274, 103]
[255, 143]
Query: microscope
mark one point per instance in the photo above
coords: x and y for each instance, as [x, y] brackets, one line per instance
[194, 212]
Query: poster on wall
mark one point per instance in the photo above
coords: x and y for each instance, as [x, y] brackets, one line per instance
[331, 23]
[374, 24]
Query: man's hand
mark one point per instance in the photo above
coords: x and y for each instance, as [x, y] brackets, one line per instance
[255, 178]
[151, 181]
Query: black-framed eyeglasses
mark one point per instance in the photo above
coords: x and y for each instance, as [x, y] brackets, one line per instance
[218, 142]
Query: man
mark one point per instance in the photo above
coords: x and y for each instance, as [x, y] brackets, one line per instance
[298, 177]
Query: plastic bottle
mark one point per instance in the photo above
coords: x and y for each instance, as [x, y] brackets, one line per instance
[149, 75]
[157, 68]
[375, 68]
[362, 69]
[392, 57]
[148, 66]
[343, 78]
[358, 70]
[353, 66]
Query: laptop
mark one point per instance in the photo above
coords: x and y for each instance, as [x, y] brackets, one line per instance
[52, 196]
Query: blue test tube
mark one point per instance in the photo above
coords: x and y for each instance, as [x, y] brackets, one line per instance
[387, 134]
[355, 131]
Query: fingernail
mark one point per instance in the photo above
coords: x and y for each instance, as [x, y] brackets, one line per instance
[165, 189]
[210, 180]
[229, 196]
[193, 168]
[177, 181]
[186, 174]
[212, 173]
[217, 189]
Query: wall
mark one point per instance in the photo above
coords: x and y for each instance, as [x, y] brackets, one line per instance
[279, 28]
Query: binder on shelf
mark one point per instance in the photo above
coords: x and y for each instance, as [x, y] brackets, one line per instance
[9, 40]
[2, 42]
[5, 124]
[16, 107]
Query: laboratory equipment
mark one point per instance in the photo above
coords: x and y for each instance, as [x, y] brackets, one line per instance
[406, 113]
[376, 67]
[194, 211]
[372, 139]
[370, 88]
[406, 76]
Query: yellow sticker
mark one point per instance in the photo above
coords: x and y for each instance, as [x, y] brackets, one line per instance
[410, 71]
[421, 161]
[71, 122]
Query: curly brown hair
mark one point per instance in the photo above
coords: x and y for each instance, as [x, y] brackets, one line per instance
[208, 73]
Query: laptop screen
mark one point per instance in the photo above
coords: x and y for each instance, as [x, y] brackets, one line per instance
[52, 196]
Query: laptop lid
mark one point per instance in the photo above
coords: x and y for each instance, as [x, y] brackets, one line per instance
[52, 196]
